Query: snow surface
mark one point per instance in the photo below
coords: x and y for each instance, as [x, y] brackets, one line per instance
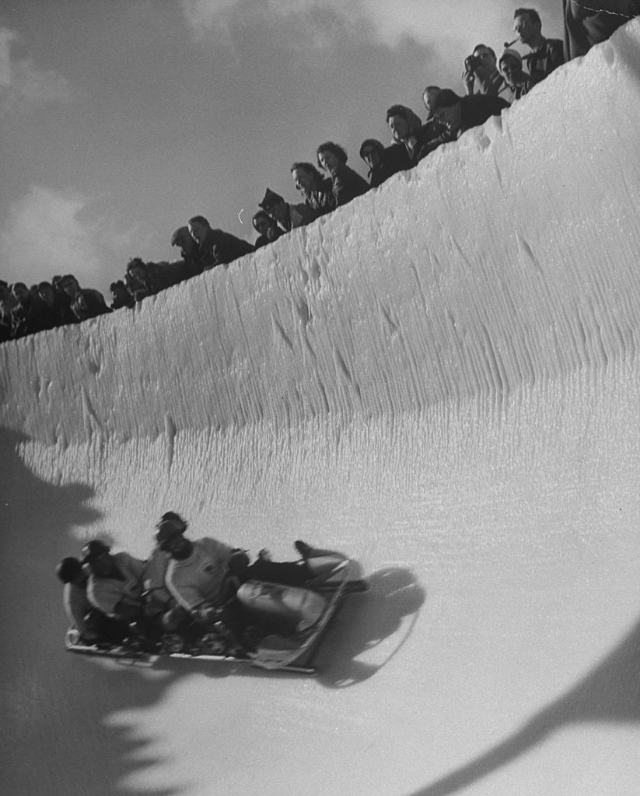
[440, 379]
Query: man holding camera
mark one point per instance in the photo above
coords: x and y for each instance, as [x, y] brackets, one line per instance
[481, 75]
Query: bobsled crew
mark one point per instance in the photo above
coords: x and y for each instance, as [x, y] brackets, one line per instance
[202, 598]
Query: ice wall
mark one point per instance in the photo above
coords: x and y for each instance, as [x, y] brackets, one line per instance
[508, 258]
[440, 378]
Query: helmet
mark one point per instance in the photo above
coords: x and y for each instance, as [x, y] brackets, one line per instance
[94, 549]
[68, 569]
[170, 525]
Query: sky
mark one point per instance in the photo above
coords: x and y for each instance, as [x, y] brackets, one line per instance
[121, 120]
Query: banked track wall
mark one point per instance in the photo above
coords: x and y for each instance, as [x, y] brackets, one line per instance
[395, 338]
[510, 257]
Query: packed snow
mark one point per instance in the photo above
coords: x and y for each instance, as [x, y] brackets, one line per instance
[441, 379]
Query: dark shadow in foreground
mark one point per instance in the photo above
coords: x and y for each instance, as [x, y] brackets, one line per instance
[610, 693]
[57, 735]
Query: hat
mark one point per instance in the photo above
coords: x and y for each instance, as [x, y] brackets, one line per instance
[271, 199]
[94, 549]
[170, 525]
[513, 54]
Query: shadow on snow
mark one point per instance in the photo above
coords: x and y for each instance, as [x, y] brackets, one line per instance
[609, 693]
[57, 736]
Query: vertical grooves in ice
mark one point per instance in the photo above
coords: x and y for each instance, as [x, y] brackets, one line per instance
[507, 259]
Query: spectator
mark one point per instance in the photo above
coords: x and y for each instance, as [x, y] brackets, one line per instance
[63, 301]
[147, 279]
[461, 113]
[288, 216]
[481, 75]
[435, 132]
[586, 24]
[383, 161]
[182, 239]
[546, 54]
[429, 96]
[84, 307]
[407, 129]
[372, 152]
[188, 250]
[84, 303]
[346, 183]
[266, 227]
[316, 189]
[120, 296]
[5, 315]
[511, 67]
[215, 247]
[137, 279]
[45, 312]
[19, 309]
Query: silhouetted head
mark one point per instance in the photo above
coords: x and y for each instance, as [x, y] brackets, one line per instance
[97, 556]
[429, 96]
[170, 535]
[69, 569]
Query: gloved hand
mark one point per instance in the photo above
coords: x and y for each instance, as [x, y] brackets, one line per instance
[238, 563]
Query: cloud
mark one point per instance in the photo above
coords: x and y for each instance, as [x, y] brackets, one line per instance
[48, 232]
[22, 83]
[385, 22]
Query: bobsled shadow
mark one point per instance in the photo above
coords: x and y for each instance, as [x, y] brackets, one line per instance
[609, 693]
[391, 607]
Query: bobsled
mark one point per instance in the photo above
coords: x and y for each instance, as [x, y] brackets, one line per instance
[284, 624]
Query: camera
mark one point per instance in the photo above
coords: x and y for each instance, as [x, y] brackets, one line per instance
[472, 62]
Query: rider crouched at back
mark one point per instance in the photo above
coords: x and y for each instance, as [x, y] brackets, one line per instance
[130, 591]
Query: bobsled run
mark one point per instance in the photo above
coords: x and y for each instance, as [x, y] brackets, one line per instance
[285, 625]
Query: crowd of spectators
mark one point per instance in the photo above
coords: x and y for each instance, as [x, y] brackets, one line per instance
[490, 83]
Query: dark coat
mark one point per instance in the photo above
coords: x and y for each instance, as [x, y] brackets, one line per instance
[394, 159]
[347, 184]
[89, 303]
[477, 108]
[263, 240]
[543, 61]
[219, 248]
[41, 316]
[321, 201]
[493, 86]
[429, 137]
[586, 24]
